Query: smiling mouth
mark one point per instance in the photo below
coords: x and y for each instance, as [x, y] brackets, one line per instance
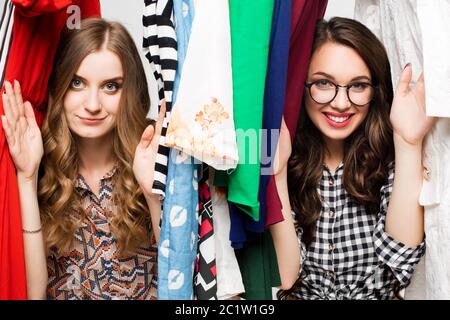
[338, 120]
[92, 119]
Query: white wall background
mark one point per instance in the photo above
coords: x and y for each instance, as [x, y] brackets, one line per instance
[129, 13]
[340, 8]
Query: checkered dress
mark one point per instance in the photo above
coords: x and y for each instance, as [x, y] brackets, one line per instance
[351, 256]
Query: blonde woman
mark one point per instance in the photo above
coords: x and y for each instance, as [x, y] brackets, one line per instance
[90, 221]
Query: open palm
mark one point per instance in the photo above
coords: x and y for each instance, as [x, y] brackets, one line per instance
[145, 155]
[22, 132]
[408, 116]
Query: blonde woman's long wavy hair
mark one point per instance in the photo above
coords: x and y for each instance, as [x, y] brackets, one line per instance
[58, 201]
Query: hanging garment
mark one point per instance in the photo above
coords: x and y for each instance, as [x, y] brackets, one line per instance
[205, 279]
[395, 23]
[434, 22]
[257, 260]
[179, 226]
[229, 278]
[435, 281]
[201, 124]
[243, 225]
[304, 17]
[258, 285]
[36, 30]
[250, 24]
[160, 49]
[259, 267]
[274, 103]
[179, 230]
[435, 28]
[303, 21]
[408, 34]
[6, 23]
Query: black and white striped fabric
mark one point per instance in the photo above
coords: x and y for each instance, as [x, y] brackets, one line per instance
[352, 257]
[160, 48]
[6, 23]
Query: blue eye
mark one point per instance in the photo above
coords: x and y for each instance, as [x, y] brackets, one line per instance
[112, 86]
[76, 84]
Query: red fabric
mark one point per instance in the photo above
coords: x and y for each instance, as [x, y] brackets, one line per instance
[303, 21]
[304, 17]
[273, 204]
[36, 31]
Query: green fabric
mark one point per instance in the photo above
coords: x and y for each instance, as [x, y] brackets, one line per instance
[251, 23]
[259, 268]
[220, 179]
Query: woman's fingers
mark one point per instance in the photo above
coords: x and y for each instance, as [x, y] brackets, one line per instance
[421, 80]
[147, 136]
[20, 106]
[8, 132]
[29, 115]
[419, 90]
[18, 97]
[12, 103]
[8, 111]
[405, 79]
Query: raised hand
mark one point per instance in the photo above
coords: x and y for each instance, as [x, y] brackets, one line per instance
[22, 132]
[145, 155]
[408, 116]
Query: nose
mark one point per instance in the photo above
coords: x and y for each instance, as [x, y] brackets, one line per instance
[341, 102]
[92, 103]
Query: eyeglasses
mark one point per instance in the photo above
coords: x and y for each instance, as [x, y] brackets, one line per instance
[324, 91]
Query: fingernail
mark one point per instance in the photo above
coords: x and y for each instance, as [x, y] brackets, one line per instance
[407, 65]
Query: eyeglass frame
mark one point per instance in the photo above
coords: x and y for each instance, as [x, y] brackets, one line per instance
[337, 86]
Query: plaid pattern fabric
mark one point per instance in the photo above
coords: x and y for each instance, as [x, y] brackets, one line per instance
[351, 256]
[92, 269]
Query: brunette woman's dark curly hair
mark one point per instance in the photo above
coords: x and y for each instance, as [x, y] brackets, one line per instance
[368, 151]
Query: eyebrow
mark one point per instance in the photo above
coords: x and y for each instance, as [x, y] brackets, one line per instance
[320, 73]
[119, 78]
